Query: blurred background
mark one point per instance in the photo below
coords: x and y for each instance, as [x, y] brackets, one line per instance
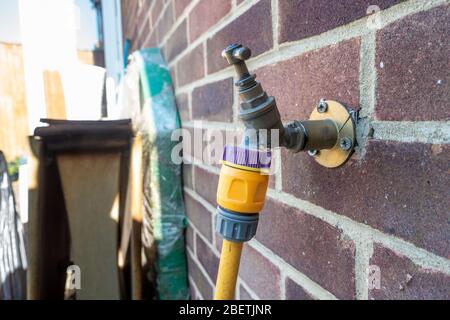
[52, 64]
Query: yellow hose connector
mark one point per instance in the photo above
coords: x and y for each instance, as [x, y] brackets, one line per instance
[241, 194]
[241, 189]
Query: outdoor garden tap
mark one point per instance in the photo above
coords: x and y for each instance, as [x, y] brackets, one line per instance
[328, 136]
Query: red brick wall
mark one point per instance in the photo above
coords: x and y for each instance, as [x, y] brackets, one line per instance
[321, 229]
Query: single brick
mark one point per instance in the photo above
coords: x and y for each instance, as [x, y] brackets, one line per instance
[187, 175]
[198, 215]
[318, 250]
[191, 67]
[295, 292]
[213, 101]
[302, 19]
[177, 42]
[253, 29]
[244, 294]
[180, 6]
[299, 83]
[183, 106]
[260, 274]
[398, 188]
[206, 14]
[190, 237]
[205, 288]
[206, 184]
[165, 23]
[401, 279]
[207, 258]
[413, 67]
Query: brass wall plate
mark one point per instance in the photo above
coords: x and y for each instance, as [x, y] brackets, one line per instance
[336, 156]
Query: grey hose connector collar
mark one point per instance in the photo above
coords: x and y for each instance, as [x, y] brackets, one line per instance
[236, 227]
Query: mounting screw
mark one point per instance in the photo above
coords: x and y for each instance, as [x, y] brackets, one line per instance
[313, 153]
[323, 106]
[345, 143]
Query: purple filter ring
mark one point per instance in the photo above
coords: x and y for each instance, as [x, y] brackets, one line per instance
[251, 158]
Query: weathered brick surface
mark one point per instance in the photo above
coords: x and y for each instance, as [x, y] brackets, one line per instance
[207, 258]
[173, 76]
[310, 245]
[218, 237]
[399, 188]
[198, 215]
[156, 9]
[151, 41]
[183, 106]
[244, 294]
[206, 184]
[192, 291]
[413, 67]
[302, 19]
[144, 13]
[299, 83]
[295, 292]
[214, 143]
[187, 175]
[205, 14]
[180, 6]
[401, 279]
[190, 237]
[177, 42]
[125, 7]
[165, 22]
[213, 101]
[193, 144]
[205, 288]
[192, 66]
[267, 282]
[128, 24]
[143, 33]
[257, 36]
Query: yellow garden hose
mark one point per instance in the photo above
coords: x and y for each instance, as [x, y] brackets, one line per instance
[240, 197]
[228, 270]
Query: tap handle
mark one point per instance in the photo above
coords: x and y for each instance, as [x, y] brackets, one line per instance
[236, 54]
[242, 53]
